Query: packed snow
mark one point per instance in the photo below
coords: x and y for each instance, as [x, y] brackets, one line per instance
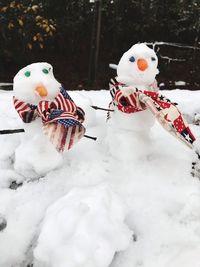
[153, 197]
[87, 225]
[127, 199]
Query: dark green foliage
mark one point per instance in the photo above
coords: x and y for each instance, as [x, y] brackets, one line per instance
[124, 22]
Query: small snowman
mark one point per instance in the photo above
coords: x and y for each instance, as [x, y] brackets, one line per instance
[51, 120]
[137, 69]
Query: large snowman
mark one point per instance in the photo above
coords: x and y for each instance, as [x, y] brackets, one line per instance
[130, 131]
[35, 86]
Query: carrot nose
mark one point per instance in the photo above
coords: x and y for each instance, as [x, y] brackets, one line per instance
[142, 64]
[41, 91]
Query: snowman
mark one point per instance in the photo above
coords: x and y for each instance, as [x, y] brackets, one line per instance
[129, 129]
[51, 120]
[137, 103]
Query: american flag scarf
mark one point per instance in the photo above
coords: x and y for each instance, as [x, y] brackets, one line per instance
[162, 108]
[61, 119]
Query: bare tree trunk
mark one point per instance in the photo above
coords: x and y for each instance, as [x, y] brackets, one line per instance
[94, 53]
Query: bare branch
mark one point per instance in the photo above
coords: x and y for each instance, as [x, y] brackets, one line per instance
[172, 44]
[173, 59]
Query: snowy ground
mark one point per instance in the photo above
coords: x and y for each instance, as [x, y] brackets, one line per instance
[156, 200]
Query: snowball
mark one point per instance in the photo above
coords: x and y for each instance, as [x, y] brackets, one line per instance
[83, 229]
[128, 71]
[24, 87]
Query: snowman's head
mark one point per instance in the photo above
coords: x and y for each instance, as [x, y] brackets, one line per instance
[36, 82]
[138, 66]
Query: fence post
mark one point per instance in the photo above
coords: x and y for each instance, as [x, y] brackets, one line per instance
[95, 41]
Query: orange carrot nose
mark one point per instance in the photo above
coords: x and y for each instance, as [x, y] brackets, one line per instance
[142, 64]
[41, 91]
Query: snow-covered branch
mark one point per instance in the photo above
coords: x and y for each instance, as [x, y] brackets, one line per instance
[172, 44]
[113, 66]
[173, 59]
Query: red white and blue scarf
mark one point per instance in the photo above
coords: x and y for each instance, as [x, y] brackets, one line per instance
[61, 119]
[162, 108]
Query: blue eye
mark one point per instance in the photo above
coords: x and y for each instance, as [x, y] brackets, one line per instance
[132, 59]
[153, 58]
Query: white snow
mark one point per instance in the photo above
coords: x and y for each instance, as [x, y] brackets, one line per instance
[4, 84]
[180, 83]
[85, 103]
[113, 66]
[161, 199]
[87, 225]
[129, 70]
[189, 104]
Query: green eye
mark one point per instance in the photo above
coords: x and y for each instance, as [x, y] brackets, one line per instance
[45, 71]
[27, 73]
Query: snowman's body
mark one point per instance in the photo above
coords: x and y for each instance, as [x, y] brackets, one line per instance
[131, 131]
[36, 155]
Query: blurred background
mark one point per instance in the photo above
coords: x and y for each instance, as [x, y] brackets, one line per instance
[81, 37]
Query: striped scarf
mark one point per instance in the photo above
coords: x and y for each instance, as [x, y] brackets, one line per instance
[162, 108]
[61, 119]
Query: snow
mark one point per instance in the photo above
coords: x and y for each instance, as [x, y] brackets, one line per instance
[189, 102]
[154, 196]
[180, 83]
[3, 223]
[4, 84]
[129, 70]
[113, 66]
[87, 225]
[26, 87]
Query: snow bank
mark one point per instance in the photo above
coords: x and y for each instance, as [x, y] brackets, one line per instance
[188, 102]
[84, 228]
[36, 156]
[162, 199]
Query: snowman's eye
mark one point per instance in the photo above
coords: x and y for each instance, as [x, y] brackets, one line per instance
[132, 59]
[45, 71]
[153, 58]
[27, 73]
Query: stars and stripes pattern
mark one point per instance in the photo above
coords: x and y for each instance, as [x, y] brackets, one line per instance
[161, 107]
[26, 112]
[61, 118]
[130, 103]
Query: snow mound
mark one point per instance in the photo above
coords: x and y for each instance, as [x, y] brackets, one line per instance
[84, 228]
[32, 159]
[127, 140]
[187, 103]
[85, 103]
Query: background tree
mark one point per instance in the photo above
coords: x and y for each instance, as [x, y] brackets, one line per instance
[60, 33]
